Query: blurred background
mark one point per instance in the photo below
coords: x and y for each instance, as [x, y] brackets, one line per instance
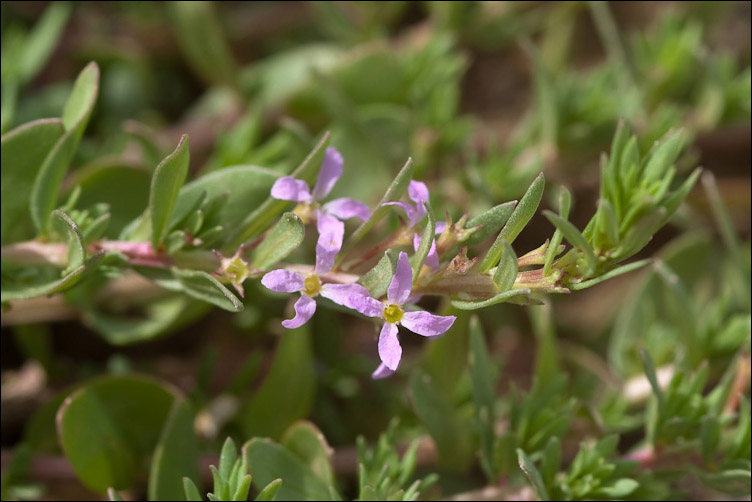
[482, 95]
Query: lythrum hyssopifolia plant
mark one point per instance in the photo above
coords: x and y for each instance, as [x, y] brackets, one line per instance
[200, 244]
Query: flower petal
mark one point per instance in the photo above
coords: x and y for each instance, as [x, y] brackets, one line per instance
[409, 210]
[432, 260]
[390, 350]
[288, 188]
[426, 323]
[283, 281]
[366, 305]
[344, 294]
[346, 208]
[304, 309]
[331, 233]
[402, 282]
[440, 226]
[418, 192]
[331, 170]
[382, 372]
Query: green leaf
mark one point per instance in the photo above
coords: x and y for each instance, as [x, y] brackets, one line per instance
[176, 455]
[551, 461]
[575, 238]
[253, 224]
[482, 380]
[76, 113]
[393, 194]
[68, 229]
[649, 366]
[710, 435]
[565, 201]
[227, 458]
[309, 445]
[506, 271]
[156, 317]
[438, 415]
[166, 182]
[203, 286]
[377, 280]
[191, 492]
[663, 156]
[617, 490]
[269, 462]
[24, 150]
[109, 427]
[528, 467]
[20, 291]
[241, 494]
[490, 222]
[608, 225]
[202, 39]
[501, 297]
[282, 239]
[287, 392]
[522, 214]
[42, 40]
[269, 492]
[419, 258]
[610, 274]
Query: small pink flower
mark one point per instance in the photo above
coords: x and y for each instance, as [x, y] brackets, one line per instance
[331, 233]
[391, 311]
[289, 188]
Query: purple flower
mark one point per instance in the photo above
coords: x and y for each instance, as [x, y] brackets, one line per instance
[289, 188]
[418, 193]
[331, 232]
[391, 311]
[432, 260]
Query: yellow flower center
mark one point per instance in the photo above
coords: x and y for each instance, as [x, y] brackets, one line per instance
[306, 211]
[312, 285]
[393, 313]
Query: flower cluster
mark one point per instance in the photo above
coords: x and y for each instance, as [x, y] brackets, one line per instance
[392, 311]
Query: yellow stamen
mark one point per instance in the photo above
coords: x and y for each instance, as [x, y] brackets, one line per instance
[393, 313]
[312, 285]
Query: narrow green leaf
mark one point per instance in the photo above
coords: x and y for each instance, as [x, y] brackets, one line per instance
[227, 458]
[78, 108]
[287, 392]
[629, 164]
[490, 222]
[282, 239]
[393, 194]
[191, 492]
[522, 214]
[254, 223]
[221, 490]
[269, 462]
[649, 367]
[97, 228]
[23, 291]
[551, 461]
[377, 280]
[608, 225]
[565, 202]
[166, 182]
[506, 271]
[43, 39]
[24, 150]
[204, 287]
[269, 493]
[176, 455]
[500, 298]
[663, 156]
[575, 238]
[482, 380]
[202, 39]
[69, 231]
[710, 435]
[721, 214]
[419, 258]
[610, 274]
[241, 494]
[528, 467]
[638, 236]
[621, 136]
[617, 490]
